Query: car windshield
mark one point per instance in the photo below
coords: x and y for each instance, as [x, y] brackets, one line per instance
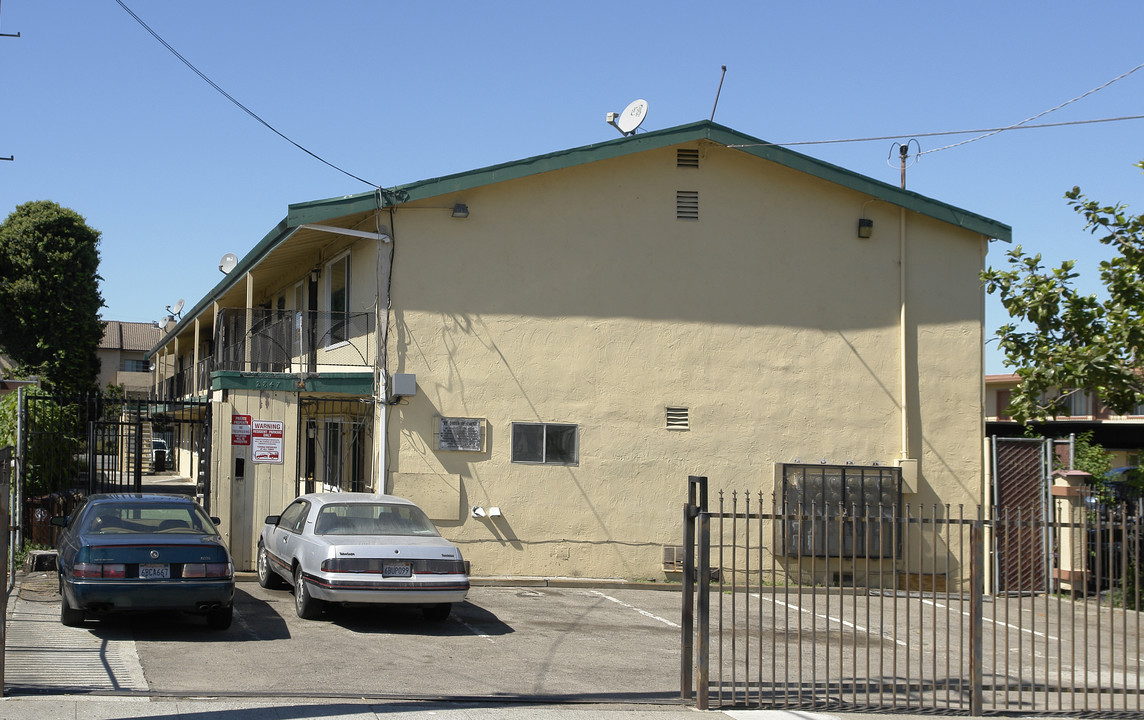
[373, 519]
[141, 518]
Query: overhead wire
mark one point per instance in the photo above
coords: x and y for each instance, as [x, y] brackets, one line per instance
[985, 132]
[982, 132]
[899, 136]
[1038, 115]
[238, 104]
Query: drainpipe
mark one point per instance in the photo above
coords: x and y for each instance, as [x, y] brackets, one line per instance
[902, 350]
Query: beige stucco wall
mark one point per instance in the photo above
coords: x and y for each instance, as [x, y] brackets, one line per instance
[576, 296]
[243, 504]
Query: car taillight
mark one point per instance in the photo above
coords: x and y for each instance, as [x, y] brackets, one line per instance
[375, 565]
[99, 570]
[198, 570]
[443, 567]
[350, 565]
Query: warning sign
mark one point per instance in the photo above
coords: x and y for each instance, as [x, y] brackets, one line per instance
[266, 441]
[239, 429]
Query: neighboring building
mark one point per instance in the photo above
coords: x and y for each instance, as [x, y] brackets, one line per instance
[1121, 435]
[540, 353]
[123, 356]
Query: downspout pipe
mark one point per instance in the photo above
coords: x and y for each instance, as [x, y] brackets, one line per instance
[903, 355]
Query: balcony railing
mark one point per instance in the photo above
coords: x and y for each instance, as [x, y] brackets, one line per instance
[288, 341]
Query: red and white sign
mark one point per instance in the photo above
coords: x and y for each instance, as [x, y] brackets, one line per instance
[267, 441]
[239, 429]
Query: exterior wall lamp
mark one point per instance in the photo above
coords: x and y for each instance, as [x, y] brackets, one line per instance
[460, 210]
[865, 227]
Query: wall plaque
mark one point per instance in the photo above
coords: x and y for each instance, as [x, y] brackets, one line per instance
[465, 434]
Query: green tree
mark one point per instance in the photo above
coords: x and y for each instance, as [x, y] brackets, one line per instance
[49, 289]
[1063, 341]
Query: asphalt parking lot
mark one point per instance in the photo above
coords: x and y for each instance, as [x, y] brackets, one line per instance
[593, 644]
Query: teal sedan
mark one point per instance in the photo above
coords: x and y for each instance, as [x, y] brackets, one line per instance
[135, 553]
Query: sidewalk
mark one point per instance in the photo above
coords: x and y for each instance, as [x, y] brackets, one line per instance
[74, 707]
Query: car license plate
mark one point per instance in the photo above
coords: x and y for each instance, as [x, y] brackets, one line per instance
[154, 571]
[397, 570]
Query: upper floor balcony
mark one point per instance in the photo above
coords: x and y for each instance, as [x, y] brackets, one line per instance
[289, 341]
[275, 341]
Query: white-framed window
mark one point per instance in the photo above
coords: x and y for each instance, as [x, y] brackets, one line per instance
[136, 365]
[545, 443]
[337, 300]
[1069, 403]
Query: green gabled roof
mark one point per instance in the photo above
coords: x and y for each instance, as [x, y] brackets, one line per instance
[320, 211]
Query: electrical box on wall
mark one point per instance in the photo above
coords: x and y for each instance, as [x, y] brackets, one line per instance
[909, 474]
[404, 385]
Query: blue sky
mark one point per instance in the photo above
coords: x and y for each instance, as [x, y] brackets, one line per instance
[102, 118]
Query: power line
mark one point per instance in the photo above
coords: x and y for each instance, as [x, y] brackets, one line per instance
[242, 107]
[939, 133]
[1042, 114]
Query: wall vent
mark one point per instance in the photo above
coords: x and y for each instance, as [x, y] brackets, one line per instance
[686, 204]
[687, 157]
[678, 418]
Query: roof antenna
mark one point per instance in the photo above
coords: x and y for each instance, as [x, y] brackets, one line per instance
[904, 156]
[717, 92]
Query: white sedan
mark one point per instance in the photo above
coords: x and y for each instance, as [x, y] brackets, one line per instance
[360, 548]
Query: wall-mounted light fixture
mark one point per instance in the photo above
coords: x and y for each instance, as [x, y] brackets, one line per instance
[460, 210]
[314, 275]
[865, 227]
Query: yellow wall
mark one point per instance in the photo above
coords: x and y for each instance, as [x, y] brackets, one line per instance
[243, 504]
[576, 296]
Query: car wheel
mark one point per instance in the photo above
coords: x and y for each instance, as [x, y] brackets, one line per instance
[69, 616]
[219, 618]
[306, 605]
[267, 578]
[436, 613]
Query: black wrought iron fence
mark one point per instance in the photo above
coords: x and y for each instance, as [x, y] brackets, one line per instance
[924, 627]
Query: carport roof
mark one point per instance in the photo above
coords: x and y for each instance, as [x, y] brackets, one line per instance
[355, 207]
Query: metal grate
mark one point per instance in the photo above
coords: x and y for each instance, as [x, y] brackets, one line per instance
[686, 204]
[678, 418]
[687, 157]
[1020, 474]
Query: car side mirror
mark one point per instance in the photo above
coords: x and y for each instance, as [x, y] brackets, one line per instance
[272, 519]
[216, 521]
[60, 520]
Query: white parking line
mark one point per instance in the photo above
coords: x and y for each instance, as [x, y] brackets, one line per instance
[645, 613]
[828, 619]
[473, 630]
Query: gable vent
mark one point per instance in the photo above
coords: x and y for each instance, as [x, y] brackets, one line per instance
[686, 204]
[687, 157]
[678, 418]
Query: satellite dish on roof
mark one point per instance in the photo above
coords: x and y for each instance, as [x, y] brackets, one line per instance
[227, 263]
[630, 119]
[178, 308]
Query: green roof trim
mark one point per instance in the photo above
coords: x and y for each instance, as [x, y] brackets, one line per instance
[342, 383]
[320, 211]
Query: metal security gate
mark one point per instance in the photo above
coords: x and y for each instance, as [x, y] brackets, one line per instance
[775, 624]
[70, 447]
[1020, 484]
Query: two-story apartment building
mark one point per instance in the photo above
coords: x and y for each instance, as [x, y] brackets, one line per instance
[1121, 435]
[541, 352]
[123, 359]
